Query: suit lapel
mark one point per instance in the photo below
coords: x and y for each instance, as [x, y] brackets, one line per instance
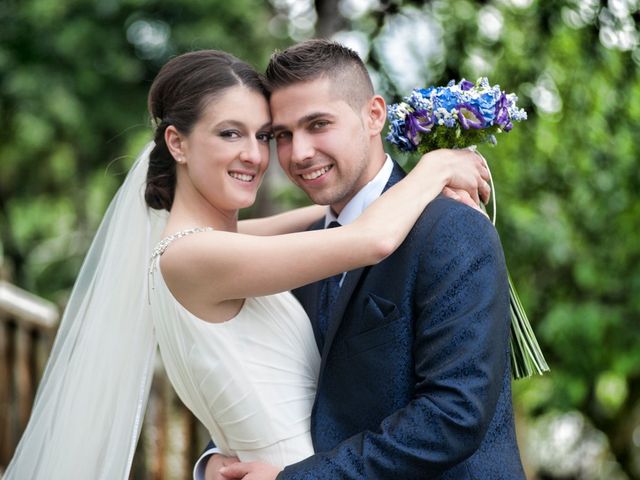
[309, 295]
[349, 284]
[397, 174]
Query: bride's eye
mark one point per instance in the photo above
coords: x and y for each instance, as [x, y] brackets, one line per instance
[232, 134]
[264, 137]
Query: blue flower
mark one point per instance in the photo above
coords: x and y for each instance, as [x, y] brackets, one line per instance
[486, 103]
[516, 114]
[446, 99]
[397, 136]
[425, 92]
[450, 121]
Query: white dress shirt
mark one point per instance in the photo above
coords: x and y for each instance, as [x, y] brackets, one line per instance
[363, 198]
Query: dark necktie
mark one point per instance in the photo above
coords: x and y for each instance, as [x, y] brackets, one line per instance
[328, 296]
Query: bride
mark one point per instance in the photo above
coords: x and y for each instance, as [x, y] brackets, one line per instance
[213, 293]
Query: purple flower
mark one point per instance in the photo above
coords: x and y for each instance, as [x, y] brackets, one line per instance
[466, 84]
[470, 117]
[425, 120]
[417, 123]
[502, 113]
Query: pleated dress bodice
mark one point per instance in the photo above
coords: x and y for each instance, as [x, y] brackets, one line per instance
[250, 380]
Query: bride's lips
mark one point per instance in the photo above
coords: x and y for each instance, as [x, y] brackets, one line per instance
[315, 174]
[243, 176]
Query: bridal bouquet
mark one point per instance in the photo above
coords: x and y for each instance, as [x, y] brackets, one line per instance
[455, 116]
[462, 115]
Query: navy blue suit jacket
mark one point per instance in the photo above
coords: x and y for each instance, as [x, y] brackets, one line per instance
[415, 379]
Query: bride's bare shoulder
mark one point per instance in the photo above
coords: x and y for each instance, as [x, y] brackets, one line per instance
[189, 269]
[182, 253]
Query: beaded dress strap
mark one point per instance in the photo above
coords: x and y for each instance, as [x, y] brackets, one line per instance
[165, 242]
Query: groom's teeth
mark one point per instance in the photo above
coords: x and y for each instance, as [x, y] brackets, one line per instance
[241, 176]
[316, 174]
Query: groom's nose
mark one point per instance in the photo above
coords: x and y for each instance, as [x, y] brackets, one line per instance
[301, 148]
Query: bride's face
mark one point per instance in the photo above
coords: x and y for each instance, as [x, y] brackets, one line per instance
[227, 152]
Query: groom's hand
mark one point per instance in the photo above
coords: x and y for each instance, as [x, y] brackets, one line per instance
[250, 471]
[215, 463]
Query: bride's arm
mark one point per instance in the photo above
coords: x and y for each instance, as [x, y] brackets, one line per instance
[296, 220]
[218, 265]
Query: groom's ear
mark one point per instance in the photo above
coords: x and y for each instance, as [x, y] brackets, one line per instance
[175, 143]
[375, 114]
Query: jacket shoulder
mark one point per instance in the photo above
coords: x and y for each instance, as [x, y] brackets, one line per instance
[450, 221]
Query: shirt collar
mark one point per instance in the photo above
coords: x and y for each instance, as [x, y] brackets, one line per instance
[363, 198]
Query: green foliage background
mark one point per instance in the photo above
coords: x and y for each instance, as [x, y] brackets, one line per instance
[73, 81]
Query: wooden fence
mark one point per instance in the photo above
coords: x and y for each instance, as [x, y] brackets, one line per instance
[171, 437]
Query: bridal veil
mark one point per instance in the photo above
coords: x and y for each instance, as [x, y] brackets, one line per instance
[89, 407]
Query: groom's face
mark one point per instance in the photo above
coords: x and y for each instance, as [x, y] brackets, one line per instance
[323, 142]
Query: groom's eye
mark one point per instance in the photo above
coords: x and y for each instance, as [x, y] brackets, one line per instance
[319, 124]
[283, 136]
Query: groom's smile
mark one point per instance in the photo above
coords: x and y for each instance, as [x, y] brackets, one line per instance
[316, 173]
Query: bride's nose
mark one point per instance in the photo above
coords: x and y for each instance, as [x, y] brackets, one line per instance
[250, 152]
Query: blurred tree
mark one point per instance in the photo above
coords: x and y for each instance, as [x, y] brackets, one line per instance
[73, 80]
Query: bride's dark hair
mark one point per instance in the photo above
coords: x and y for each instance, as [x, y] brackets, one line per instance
[178, 95]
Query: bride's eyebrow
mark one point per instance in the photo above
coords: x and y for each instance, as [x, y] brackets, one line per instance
[238, 124]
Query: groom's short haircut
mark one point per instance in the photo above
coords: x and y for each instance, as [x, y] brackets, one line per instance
[317, 58]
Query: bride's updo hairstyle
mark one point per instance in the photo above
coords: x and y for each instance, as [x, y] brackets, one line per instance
[180, 92]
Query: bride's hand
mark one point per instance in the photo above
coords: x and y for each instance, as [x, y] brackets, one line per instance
[215, 463]
[463, 196]
[463, 171]
[250, 471]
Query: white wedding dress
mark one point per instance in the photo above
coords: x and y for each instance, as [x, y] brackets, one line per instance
[250, 380]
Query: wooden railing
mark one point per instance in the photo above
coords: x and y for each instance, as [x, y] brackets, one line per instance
[171, 437]
[27, 326]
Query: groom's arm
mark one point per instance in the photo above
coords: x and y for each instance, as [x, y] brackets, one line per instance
[210, 462]
[201, 464]
[461, 350]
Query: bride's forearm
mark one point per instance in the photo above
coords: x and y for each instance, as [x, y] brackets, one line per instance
[296, 220]
[392, 216]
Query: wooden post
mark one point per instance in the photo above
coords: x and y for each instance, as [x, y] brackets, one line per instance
[26, 321]
[6, 367]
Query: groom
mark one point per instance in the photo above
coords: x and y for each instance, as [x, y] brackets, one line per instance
[415, 380]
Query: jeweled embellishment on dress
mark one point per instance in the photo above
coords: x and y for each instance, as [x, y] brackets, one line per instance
[165, 242]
